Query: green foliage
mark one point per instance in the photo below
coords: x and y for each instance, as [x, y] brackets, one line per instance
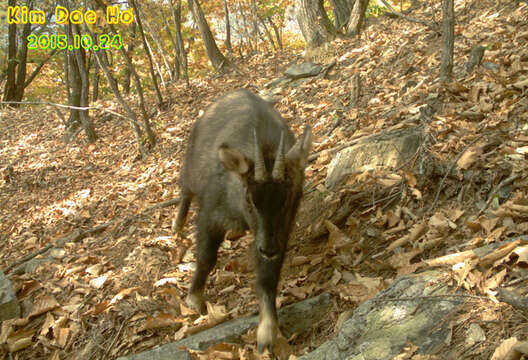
[374, 9]
[270, 8]
[328, 9]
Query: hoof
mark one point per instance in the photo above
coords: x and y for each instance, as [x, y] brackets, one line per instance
[197, 303]
[266, 334]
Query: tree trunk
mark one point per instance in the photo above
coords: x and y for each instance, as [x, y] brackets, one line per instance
[256, 32]
[151, 137]
[356, 17]
[149, 55]
[246, 26]
[314, 23]
[176, 71]
[131, 115]
[154, 34]
[227, 41]
[130, 49]
[10, 87]
[39, 67]
[448, 39]
[217, 59]
[96, 77]
[268, 33]
[277, 32]
[22, 60]
[176, 15]
[74, 119]
[67, 76]
[341, 10]
[80, 91]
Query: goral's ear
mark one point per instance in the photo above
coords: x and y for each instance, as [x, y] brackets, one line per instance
[299, 152]
[233, 160]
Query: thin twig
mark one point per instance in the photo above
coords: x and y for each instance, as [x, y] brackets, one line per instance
[451, 169]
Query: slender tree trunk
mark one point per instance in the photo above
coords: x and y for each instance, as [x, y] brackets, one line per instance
[448, 39]
[256, 32]
[10, 87]
[246, 27]
[227, 42]
[131, 115]
[356, 17]
[95, 91]
[174, 45]
[153, 34]
[176, 16]
[67, 75]
[22, 60]
[158, 72]
[314, 23]
[276, 31]
[130, 50]
[341, 10]
[151, 137]
[149, 55]
[268, 33]
[80, 90]
[39, 67]
[216, 58]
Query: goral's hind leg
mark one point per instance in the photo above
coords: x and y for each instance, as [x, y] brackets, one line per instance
[209, 238]
[183, 209]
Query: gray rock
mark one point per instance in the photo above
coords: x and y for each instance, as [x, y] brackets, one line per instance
[381, 327]
[292, 318]
[9, 306]
[387, 149]
[474, 335]
[490, 66]
[303, 70]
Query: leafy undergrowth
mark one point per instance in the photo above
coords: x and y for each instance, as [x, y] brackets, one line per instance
[119, 291]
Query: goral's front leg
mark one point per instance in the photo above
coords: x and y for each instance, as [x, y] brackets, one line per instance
[268, 327]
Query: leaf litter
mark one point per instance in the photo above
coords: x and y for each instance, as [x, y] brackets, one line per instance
[123, 288]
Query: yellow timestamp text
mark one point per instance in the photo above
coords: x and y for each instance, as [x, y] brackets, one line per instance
[62, 42]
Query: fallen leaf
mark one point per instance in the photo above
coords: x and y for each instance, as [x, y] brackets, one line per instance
[159, 321]
[469, 157]
[44, 304]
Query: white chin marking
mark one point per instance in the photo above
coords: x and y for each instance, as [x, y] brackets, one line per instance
[266, 333]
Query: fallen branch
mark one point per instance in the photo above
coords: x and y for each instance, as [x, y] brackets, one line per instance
[164, 204]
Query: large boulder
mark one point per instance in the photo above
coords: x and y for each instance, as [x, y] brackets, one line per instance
[411, 310]
[387, 149]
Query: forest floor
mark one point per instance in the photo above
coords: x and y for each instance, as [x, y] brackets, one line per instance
[119, 290]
